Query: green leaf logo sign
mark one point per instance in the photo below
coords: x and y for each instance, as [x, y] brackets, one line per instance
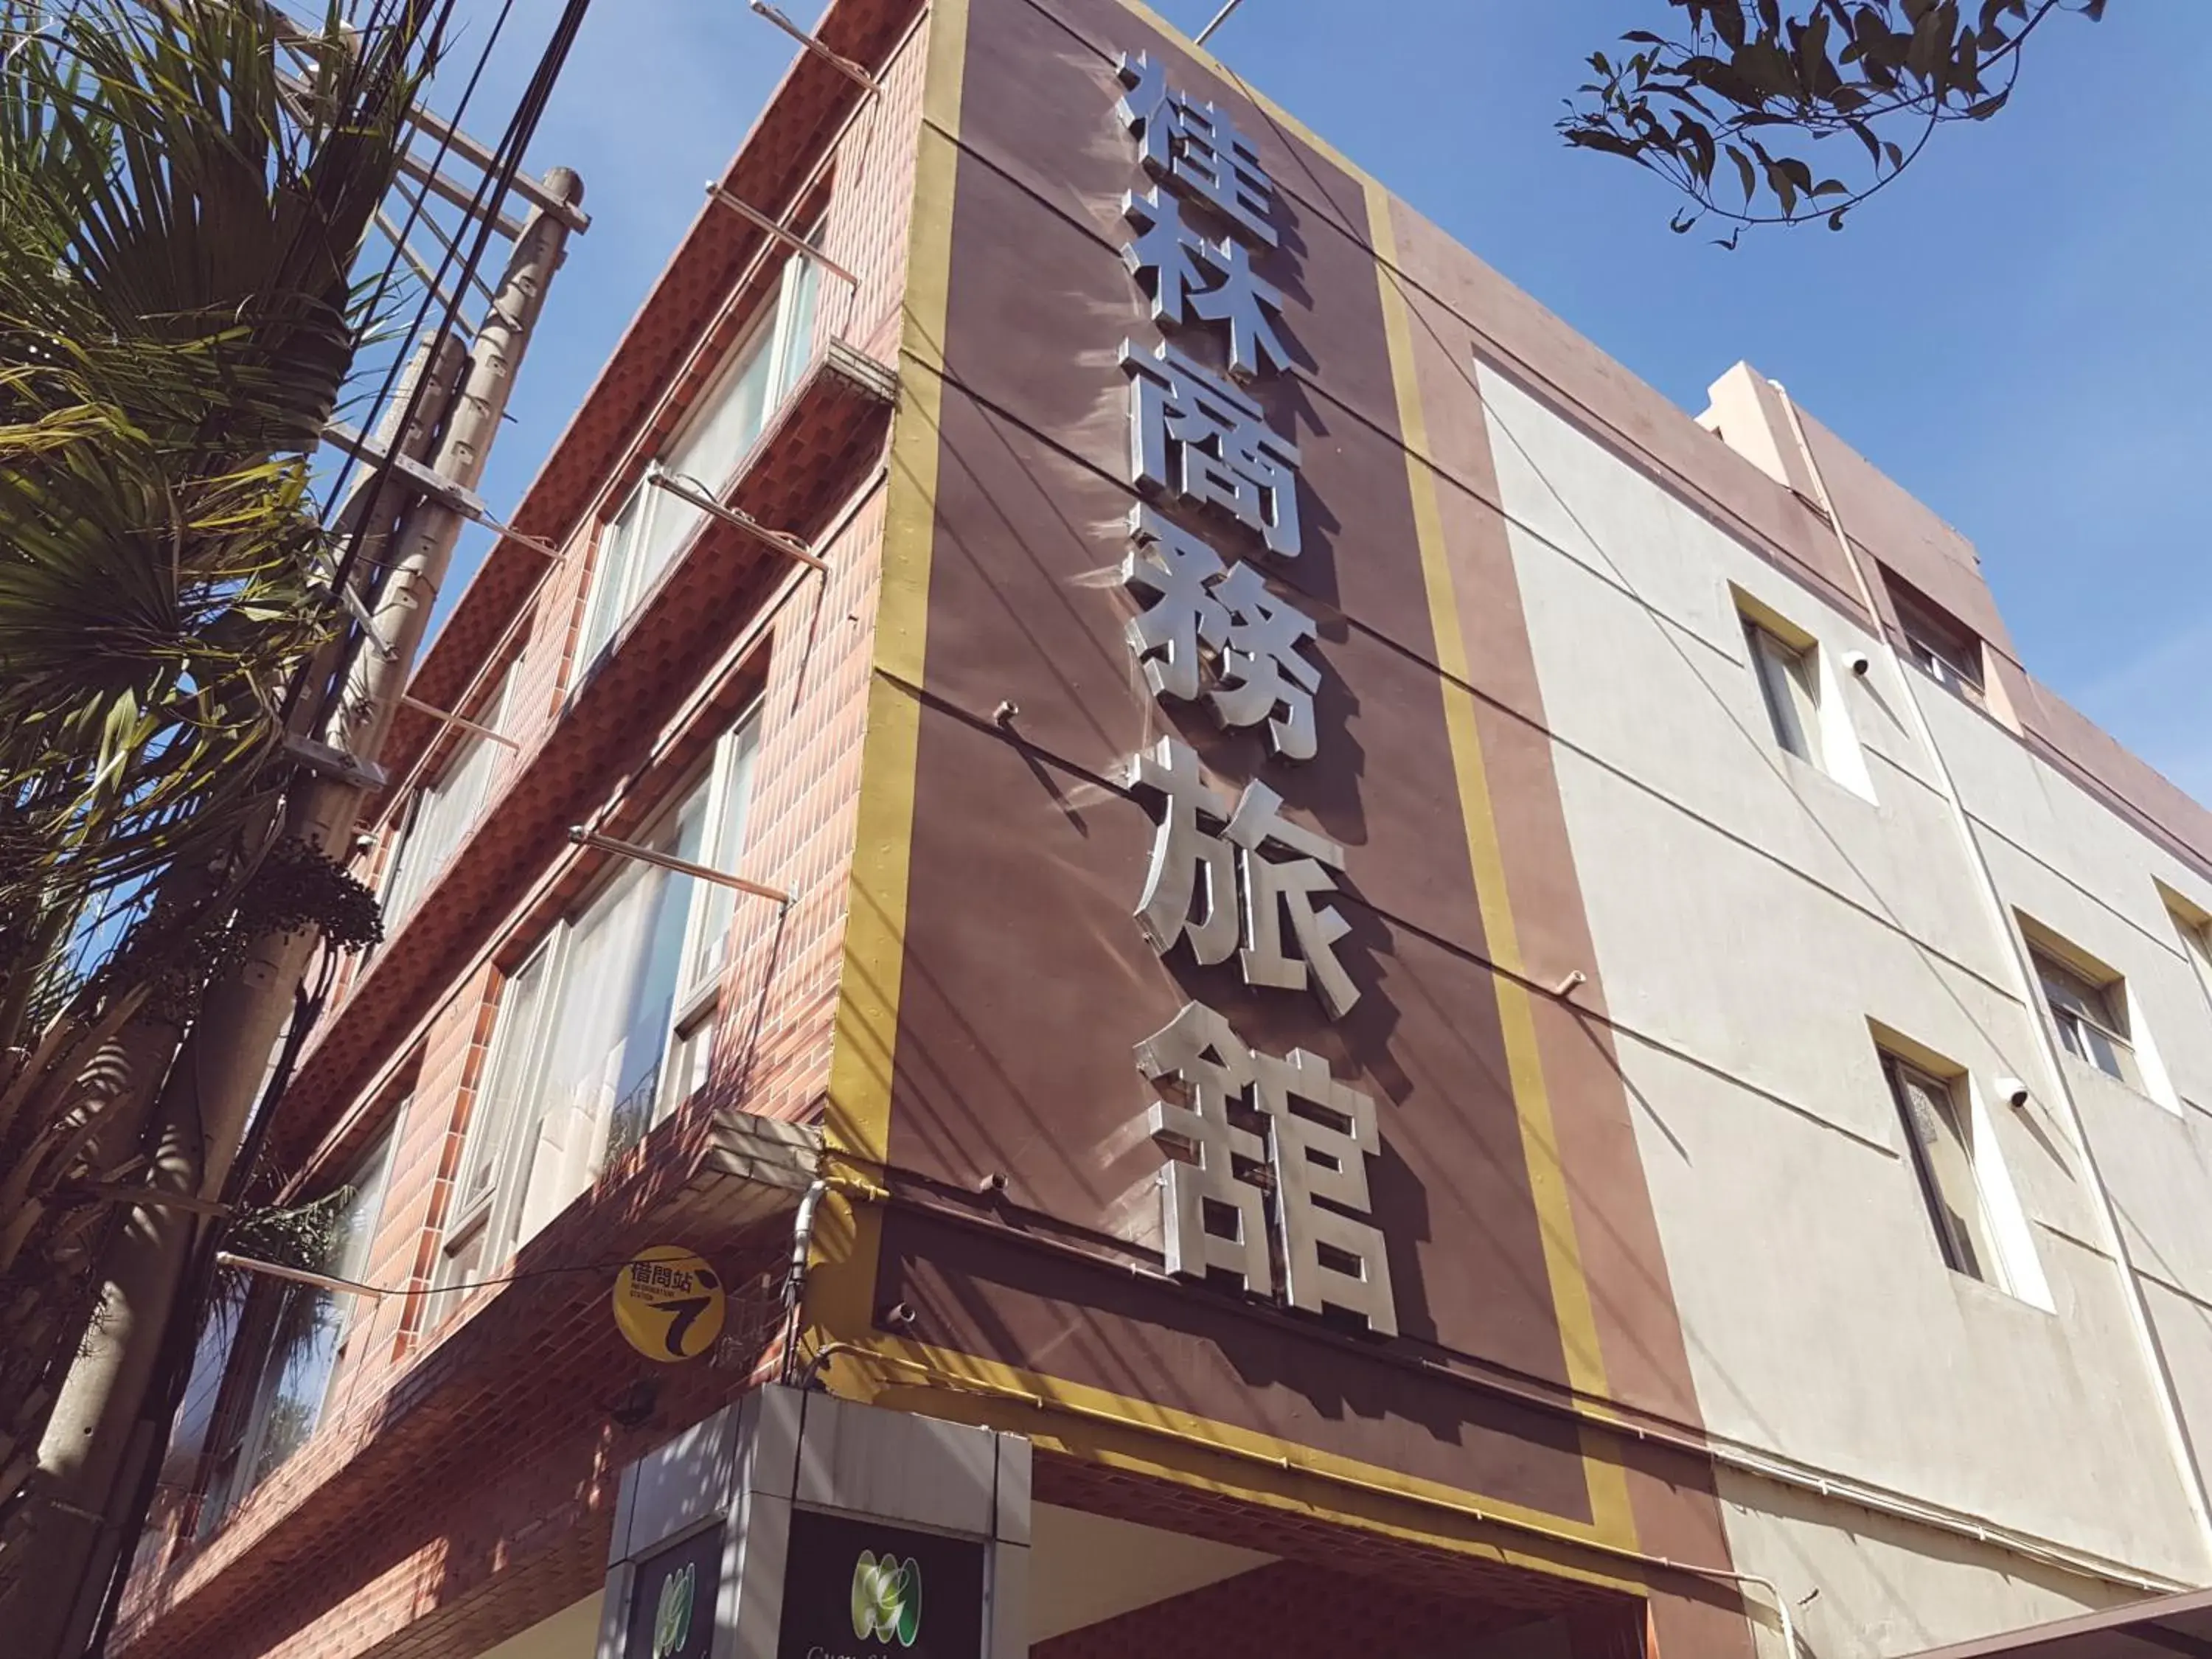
[886, 1598]
[672, 1620]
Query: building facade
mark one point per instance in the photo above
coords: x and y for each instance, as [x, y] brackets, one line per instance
[1381, 995]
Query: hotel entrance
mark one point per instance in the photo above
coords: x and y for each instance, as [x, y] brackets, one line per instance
[801, 1526]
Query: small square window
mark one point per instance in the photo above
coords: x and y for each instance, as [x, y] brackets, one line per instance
[1941, 645]
[2091, 1017]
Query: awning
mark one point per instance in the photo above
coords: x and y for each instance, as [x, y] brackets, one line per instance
[2156, 1629]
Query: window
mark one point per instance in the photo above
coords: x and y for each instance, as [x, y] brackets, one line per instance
[444, 810]
[652, 524]
[1790, 686]
[1946, 649]
[604, 1030]
[2193, 926]
[1941, 1146]
[2092, 1018]
[297, 1334]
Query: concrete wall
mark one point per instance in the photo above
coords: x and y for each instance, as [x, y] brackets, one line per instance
[1756, 919]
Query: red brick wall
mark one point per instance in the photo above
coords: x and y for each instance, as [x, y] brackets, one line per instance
[407, 1558]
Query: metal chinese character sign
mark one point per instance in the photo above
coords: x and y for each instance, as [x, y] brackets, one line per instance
[1195, 439]
[1264, 1186]
[1311, 1154]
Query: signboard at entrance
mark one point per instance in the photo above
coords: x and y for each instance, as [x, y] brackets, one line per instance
[857, 1589]
[671, 1609]
[669, 1304]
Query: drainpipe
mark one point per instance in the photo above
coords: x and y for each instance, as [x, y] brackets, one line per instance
[2024, 987]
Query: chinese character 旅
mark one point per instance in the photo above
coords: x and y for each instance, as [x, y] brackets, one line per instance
[1275, 889]
[1203, 853]
[1192, 868]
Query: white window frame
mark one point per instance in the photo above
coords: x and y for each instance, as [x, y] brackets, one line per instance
[1788, 678]
[374, 1174]
[2090, 1017]
[1968, 1242]
[499, 1212]
[2197, 943]
[1954, 663]
[621, 580]
[403, 888]
[1940, 669]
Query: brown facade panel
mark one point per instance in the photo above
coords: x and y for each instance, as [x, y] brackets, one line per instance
[1026, 983]
[1174, 1347]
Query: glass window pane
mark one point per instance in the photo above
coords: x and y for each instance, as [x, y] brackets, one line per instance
[309, 1328]
[505, 1080]
[1785, 682]
[2091, 1018]
[1942, 1154]
[611, 581]
[717, 436]
[716, 440]
[608, 1029]
[802, 287]
[445, 811]
[719, 907]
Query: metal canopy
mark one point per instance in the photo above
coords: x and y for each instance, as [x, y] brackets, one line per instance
[2156, 1629]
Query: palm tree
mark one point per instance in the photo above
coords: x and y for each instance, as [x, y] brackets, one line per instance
[185, 188]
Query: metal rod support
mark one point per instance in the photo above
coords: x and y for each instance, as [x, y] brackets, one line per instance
[431, 482]
[1219, 18]
[422, 271]
[509, 533]
[790, 238]
[844, 65]
[461, 720]
[449, 246]
[298, 1275]
[459, 195]
[689, 489]
[522, 183]
[629, 850]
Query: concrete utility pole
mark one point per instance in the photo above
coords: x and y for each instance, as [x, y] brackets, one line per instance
[106, 1421]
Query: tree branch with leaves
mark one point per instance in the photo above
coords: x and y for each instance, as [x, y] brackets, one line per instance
[1736, 111]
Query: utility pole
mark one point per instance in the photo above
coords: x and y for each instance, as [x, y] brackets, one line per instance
[106, 1421]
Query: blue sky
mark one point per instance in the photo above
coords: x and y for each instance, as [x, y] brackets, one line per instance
[2016, 332]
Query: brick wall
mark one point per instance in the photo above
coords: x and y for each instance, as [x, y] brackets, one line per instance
[397, 1544]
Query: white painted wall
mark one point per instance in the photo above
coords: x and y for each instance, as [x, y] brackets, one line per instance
[1752, 917]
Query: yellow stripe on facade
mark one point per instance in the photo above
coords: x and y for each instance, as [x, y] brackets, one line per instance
[1112, 1430]
[1532, 1100]
[857, 1121]
[1107, 1429]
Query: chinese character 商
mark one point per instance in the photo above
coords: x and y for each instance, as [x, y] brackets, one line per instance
[1196, 437]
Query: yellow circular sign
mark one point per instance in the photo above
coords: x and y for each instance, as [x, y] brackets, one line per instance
[668, 1304]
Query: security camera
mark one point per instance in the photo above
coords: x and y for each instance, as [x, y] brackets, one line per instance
[1860, 663]
[2013, 1092]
